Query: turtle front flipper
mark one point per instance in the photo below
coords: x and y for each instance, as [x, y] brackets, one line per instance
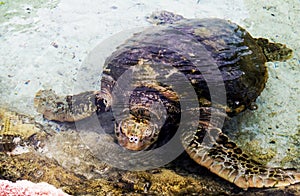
[212, 149]
[70, 108]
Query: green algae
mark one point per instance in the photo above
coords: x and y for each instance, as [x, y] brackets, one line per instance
[258, 153]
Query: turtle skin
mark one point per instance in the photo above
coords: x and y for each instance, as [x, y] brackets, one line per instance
[196, 48]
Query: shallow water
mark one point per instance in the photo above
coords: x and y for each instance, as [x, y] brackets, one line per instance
[44, 44]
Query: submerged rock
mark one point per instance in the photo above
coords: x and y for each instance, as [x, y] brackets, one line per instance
[65, 162]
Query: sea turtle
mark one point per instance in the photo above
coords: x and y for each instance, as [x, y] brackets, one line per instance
[190, 47]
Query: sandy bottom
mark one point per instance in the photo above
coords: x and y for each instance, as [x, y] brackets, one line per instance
[44, 44]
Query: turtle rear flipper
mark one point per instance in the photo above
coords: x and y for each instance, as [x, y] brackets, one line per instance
[212, 149]
[70, 108]
[274, 51]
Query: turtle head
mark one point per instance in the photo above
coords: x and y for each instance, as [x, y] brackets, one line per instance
[136, 134]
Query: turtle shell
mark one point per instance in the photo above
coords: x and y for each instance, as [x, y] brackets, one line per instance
[192, 44]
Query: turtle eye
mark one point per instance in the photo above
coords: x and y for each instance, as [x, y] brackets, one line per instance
[130, 139]
[136, 140]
